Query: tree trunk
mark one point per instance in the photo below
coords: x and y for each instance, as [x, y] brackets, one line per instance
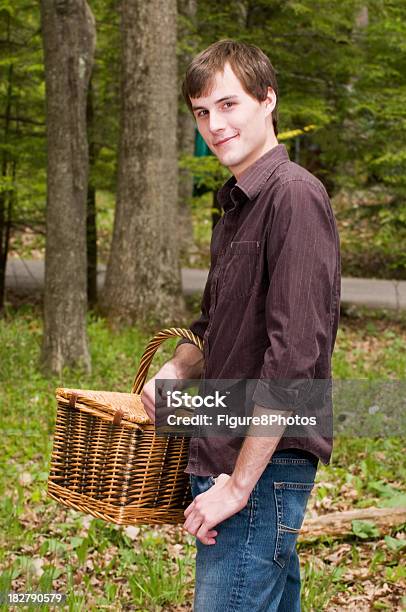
[143, 275]
[339, 524]
[91, 226]
[186, 123]
[69, 41]
[6, 194]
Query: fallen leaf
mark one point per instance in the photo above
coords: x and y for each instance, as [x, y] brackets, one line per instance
[36, 565]
[25, 479]
[78, 577]
[132, 532]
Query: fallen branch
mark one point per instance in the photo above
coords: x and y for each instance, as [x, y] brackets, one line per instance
[339, 524]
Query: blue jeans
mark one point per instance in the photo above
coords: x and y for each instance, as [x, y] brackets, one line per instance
[254, 565]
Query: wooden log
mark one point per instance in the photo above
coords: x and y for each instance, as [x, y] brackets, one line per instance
[339, 524]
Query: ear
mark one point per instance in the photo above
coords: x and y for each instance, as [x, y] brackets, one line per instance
[270, 101]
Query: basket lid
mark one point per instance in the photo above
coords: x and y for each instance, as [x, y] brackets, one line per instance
[108, 404]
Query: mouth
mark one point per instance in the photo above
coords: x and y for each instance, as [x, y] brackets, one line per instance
[221, 142]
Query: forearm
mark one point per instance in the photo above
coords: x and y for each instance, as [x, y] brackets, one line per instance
[255, 453]
[188, 360]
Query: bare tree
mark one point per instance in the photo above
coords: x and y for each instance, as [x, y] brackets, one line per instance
[143, 275]
[69, 38]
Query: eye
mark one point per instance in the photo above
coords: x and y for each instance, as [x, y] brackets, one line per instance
[228, 104]
[200, 113]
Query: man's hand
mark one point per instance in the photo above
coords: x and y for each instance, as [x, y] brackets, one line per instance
[214, 506]
[231, 493]
[169, 371]
[187, 363]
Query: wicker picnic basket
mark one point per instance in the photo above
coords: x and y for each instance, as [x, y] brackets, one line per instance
[108, 462]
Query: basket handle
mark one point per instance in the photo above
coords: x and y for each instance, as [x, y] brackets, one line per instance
[146, 359]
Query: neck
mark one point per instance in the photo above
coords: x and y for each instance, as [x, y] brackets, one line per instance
[270, 143]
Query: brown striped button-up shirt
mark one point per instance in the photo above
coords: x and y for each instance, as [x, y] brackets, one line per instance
[270, 307]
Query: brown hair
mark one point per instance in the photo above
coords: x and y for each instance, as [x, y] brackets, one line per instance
[249, 63]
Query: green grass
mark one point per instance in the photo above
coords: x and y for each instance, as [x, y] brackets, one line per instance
[44, 546]
[355, 354]
[319, 584]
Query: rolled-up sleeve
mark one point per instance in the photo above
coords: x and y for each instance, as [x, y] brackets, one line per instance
[302, 263]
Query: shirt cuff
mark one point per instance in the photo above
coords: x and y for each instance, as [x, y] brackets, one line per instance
[281, 394]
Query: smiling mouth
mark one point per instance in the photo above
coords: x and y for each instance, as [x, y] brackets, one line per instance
[220, 142]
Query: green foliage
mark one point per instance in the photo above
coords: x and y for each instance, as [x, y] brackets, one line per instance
[22, 115]
[22, 148]
[394, 544]
[106, 87]
[207, 171]
[158, 583]
[391, 497]
[342, 69]
[350, 360]
[339, 69]
[365, 529]
[318, 586]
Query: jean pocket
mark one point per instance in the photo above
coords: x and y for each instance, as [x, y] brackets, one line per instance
[291, 501]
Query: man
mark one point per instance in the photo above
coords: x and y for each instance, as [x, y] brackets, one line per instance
[270, 312]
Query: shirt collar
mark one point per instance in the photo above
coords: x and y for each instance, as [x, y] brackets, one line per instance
[253, 178]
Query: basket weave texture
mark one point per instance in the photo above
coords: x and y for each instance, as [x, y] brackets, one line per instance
[108, 462]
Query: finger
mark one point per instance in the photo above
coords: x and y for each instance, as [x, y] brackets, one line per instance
[203, 535]
[187, 523]
[207, 541]
[202, 532]
[146, 397]
[189, 509]
[149, 409]
[147, 402]
[193, 524]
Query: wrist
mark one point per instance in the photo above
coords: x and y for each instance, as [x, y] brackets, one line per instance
[239, 490]
[188, 361]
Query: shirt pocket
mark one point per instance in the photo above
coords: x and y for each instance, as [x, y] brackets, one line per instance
[241, 269]
[291, 501]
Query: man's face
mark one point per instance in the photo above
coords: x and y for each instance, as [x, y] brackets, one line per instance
[235, 126]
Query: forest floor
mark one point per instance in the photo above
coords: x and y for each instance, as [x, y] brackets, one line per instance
[100, 566]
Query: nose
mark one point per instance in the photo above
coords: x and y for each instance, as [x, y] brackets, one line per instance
[216, 121]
